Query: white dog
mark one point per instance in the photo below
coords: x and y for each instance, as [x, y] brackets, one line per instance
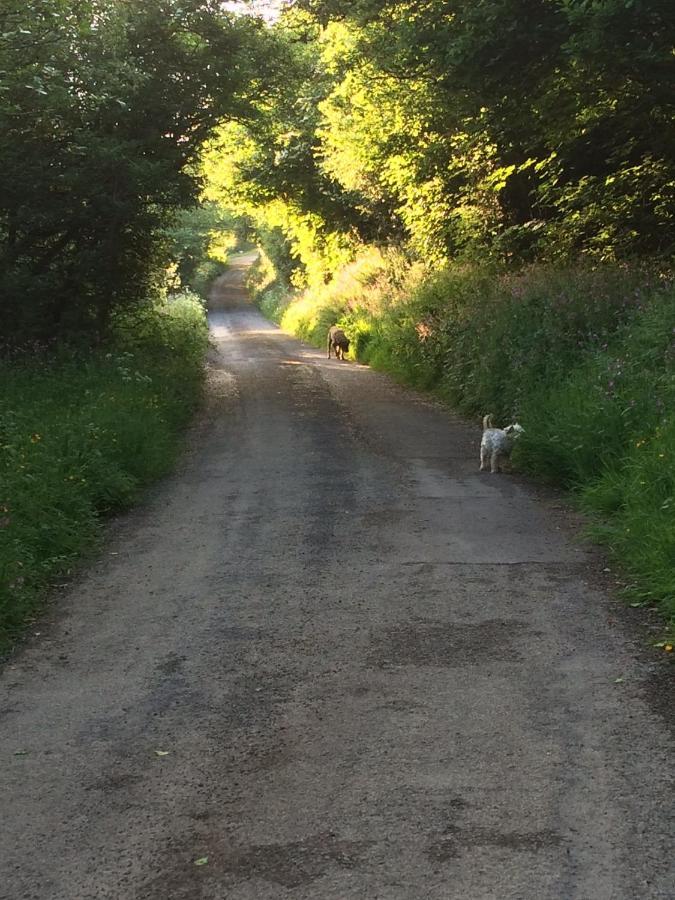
[497, 443]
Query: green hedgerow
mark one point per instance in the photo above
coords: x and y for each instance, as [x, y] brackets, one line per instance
[81, 433]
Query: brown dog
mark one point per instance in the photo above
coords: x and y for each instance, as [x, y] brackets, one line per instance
[338, 341]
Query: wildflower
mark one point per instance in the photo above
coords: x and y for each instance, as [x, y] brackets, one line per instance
[35, 438]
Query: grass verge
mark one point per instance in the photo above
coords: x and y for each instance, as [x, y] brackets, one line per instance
[80, 434]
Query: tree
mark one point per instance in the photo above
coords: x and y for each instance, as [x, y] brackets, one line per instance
[103, 107]
[530, 127]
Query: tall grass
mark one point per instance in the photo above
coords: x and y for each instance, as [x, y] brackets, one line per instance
[80, 434]
[584, 358]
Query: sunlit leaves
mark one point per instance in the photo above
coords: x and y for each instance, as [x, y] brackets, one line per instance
[565, 94]
[103, 106]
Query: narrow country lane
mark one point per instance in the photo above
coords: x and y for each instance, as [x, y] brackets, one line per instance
[329, 660]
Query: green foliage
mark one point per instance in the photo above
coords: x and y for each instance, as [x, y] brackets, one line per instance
[633, 507]
[508, 128]
[103, 108]
[200, 235]
[80, 435]
[310, 313]
[267, 289]
[267, 169]
[607, 430]
[200, 242]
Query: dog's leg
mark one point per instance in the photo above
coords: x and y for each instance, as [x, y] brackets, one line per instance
[483, 458]
[494, 462]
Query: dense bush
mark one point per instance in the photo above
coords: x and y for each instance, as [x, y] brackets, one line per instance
[81, 433]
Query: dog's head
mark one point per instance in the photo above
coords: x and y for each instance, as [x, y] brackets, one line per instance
[514, 431]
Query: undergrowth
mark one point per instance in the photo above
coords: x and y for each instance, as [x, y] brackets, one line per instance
[81, 433]
[583, 357]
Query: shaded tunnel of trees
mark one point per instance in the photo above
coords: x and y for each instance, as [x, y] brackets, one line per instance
[514, 130]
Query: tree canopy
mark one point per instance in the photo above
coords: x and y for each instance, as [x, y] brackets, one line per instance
[517, 129]
[104, 105]
[510, 129]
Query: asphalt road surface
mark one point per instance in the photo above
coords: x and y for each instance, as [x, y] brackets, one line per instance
[329, 659]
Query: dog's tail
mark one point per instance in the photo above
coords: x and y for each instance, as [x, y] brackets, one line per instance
[487, 422]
